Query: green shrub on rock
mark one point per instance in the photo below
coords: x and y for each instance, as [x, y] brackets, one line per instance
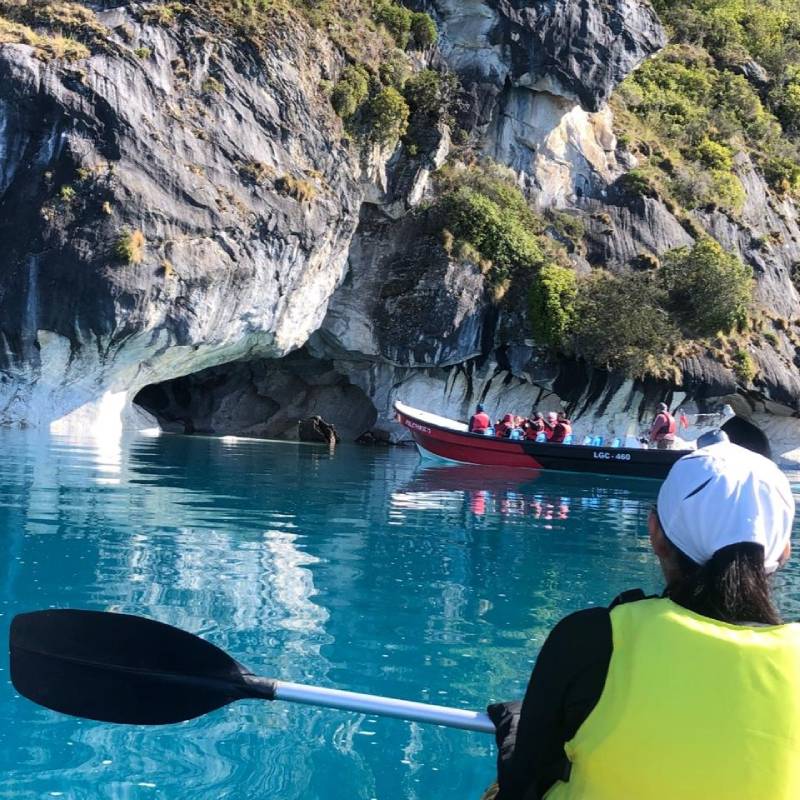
[709, 289]
[695, 187]
[396, 19]
[782, 173]
[407, 28]
[499, 184]
[424, 93]
[725, 191]
[621, 323]
[388, 114]
[638, 183]
[551, 304]
[430, 96]
[350, 91]
[394, 69]
[423, 31]
[714, 155]
[785, 97]
[496, 234]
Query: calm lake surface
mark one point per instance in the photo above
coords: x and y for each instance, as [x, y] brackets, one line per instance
[360, 570]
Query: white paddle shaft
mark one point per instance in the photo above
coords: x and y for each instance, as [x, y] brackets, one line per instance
[384, 706]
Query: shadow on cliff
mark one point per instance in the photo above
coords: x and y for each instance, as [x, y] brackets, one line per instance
[263, 398]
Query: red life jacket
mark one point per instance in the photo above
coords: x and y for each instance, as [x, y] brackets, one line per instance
[502, 430]
[479, 422]
[667, 428]
[562, 429]
[533, 429]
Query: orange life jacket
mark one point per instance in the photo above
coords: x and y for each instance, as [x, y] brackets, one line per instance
[479, 422]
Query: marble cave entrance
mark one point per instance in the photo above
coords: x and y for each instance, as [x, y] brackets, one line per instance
[261, 398]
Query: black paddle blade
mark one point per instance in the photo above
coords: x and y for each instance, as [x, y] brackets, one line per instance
[121, 668]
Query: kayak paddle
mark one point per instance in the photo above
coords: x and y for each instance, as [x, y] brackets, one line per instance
[127, 669]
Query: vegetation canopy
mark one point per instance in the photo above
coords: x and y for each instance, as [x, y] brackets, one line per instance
[729, 83]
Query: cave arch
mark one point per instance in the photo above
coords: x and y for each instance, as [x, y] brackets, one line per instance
[748, 435]
[264, 398]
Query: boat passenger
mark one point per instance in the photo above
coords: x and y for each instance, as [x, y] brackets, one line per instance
[518, 431]
[504, 426]
[562, 429]
[550, 424]
[662, 431]
[479, 421]
[534, 426]
[694, 694]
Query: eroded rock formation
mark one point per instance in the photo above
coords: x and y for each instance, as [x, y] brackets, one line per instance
[230, 166]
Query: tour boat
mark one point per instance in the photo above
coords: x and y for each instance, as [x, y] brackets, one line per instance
[447, 440]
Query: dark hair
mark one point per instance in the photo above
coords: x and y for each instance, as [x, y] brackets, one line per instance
[732, 587]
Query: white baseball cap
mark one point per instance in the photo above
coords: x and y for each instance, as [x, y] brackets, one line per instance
[722, 495]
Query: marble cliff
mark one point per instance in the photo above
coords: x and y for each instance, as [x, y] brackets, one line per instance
[190, 238]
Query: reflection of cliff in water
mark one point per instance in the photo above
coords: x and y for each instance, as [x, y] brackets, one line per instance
[179, 534]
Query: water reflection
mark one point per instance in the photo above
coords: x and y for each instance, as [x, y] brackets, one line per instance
[541, 496]
[356, 569]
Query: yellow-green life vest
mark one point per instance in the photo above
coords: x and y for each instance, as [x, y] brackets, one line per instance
[692, 709]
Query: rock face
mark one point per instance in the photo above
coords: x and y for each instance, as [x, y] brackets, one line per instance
[539, 74]
[579, 49]
[191, 227]
[230, 165]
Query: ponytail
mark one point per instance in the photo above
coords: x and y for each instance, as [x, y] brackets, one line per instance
[732, 587]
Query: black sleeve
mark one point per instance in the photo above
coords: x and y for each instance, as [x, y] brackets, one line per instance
[566, 684]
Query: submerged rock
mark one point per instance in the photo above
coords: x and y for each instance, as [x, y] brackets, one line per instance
[315, 429]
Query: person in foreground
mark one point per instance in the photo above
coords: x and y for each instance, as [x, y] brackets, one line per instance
[692, 695]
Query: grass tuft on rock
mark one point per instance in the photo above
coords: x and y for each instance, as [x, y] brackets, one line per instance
[300, 189]
[56, 30]
[744, 367]
[45, 47]
[129, 248]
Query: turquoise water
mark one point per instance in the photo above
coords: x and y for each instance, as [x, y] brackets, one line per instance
[358, 570]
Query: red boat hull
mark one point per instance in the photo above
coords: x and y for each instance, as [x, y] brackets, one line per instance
[469, 448]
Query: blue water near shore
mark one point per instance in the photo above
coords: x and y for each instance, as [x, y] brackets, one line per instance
[358, 570]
